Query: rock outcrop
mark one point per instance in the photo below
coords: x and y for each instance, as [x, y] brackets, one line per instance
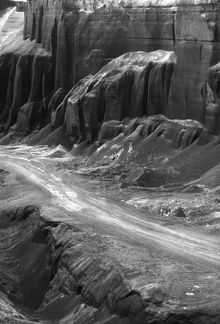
[67, 41]
[123, 88]
[6, 3]
[152, 152]
[133, 87]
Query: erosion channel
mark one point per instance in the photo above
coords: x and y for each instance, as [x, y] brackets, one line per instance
[109, 162]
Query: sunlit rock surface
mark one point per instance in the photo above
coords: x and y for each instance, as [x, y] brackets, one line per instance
[76, 250]
[123, 228]
[69, 40]
[125, 87]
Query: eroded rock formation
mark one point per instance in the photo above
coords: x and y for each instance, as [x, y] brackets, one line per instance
[6, 3]
[125, 87]
[131, 83]
[67, 41]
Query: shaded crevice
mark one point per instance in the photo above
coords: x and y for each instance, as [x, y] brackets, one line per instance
[91, 85]
[146, 90]
[39, 25]
[173, 28]
[130, 293]
[33, 28]
[5, 71]
[126, 94]
[195, 136]
[82, 124]
[53, 38]
[101, 105]
[25, 280]
[8, 93]
[163, 71]
[151, 128]
[18, 214]
[26, 80]
[169, 75]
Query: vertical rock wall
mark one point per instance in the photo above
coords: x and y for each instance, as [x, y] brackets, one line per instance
[78, 34]
[69, 40]
[6, 3]
[197, 48]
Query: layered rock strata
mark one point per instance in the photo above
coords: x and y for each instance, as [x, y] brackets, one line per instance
[76, 39]
[189, 28]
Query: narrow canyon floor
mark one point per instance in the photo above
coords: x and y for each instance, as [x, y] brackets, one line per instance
[78, 248]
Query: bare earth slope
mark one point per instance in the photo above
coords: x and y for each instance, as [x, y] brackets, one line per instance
[120, 264]
[123, 228]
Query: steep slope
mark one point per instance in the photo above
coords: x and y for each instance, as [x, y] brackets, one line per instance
[123, 88]
[6, 3]
[123, 228]
[69, 40]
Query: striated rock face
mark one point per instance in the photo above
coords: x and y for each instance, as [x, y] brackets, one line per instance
[26, 71]
[190, 28]
[196, 47]
[212, 97]
[77, 34]
[125, 87]
[67, 41]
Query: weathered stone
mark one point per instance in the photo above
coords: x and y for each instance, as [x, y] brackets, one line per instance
[187, 84]
[111, 94]
[211, 97]
[75, 39]
[110, 130]
[28, 117]
[6, 3]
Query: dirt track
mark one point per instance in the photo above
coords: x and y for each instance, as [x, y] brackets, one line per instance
[183, 261]
[91, 206]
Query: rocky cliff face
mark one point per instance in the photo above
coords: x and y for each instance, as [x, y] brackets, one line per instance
[67, 41]
[103, 75]
[6, 4]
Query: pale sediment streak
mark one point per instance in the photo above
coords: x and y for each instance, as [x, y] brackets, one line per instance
[4, 15]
